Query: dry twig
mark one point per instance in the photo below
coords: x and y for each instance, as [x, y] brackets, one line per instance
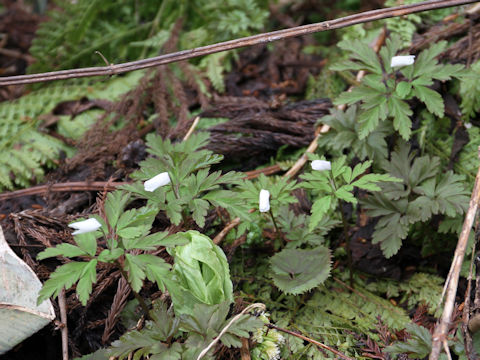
[441, 330]
[63, 318]
[346, 21]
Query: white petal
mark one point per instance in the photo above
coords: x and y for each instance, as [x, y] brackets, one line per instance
[85, 226]
[264, 201]
[404, 60]
[321, 165]
[468, 125]
[157, 181]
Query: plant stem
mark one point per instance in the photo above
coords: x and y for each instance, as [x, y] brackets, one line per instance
[175, 191]
[345, 233]
[347, 243]
[140, 300]
[274, 222]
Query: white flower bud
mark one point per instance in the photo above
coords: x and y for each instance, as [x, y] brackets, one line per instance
[264, 201]
[85, 226]
[157, 181]
[468, 125]
[404, 60]
[321, 165]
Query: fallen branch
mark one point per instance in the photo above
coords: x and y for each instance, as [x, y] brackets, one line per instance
[346, 21]
[451, 283]
[61, 187]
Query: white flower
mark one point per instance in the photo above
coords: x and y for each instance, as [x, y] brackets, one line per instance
[321, 165]
[404, 60]
[157, 181]
[85, 226]
[264, 201]
[468, 125]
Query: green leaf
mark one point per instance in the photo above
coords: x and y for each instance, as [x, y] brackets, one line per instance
[418, 346]
[114, 205]
[403, 89]
[65, 249]
[200, 210]
[88, 277]
[110, 255]
[296, 271]
[156, 269]
[63, 277]
[345, 194]
[87, 242]
[319, 208]
[136, 275]
[368, 122]
[401, 116]
[432, 99]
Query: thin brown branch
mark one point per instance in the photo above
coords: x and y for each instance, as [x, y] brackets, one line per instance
[63, 318]
[319, 344]
[451, 283]
[350, 20]
[61, 187]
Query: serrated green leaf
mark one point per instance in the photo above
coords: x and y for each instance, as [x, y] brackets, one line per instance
[403, 89]
[87, 242]
[110, 255]
[63, 277]
[88, 277]
[319, 208]
[401, 113]
[133, 232]
[114, 205]
[200, 210]
[345, 194]
[136, 275]
[65, 249]
[432, 99]
[368, 122]
[296, 271]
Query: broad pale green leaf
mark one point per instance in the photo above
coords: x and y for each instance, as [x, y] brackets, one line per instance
[296, 271]
[202, 274]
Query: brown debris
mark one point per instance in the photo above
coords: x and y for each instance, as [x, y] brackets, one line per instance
[465, 49]
[257, 129]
